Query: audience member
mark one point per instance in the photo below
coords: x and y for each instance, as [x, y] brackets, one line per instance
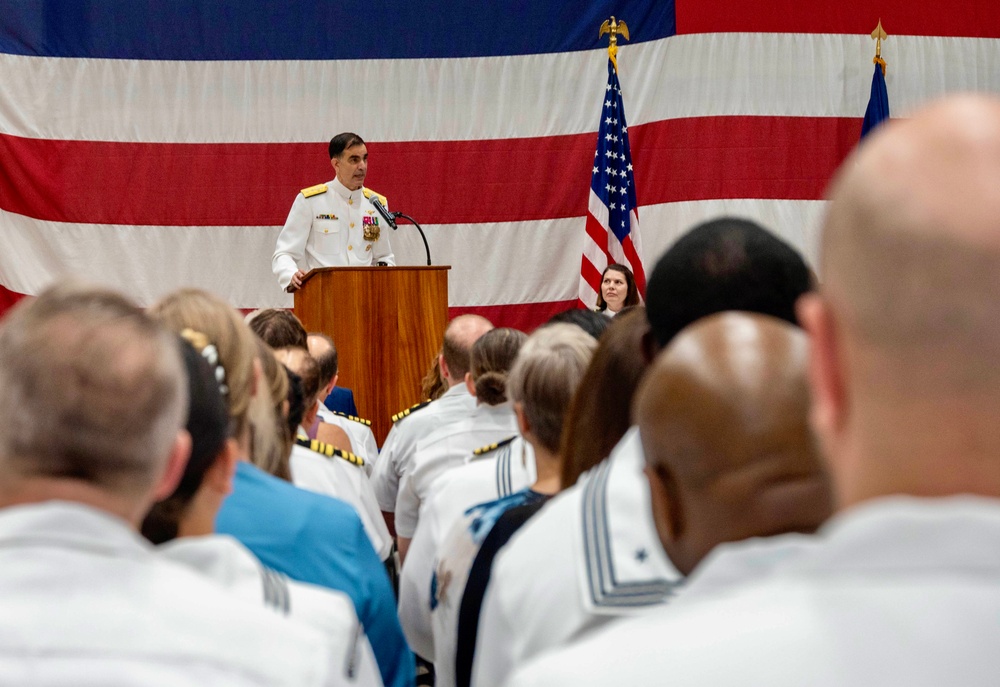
[271, 440]
[417, 422]
[611, 564]
[589, 321]
[93, 397]
[307, 536]
[492, 420]
[278, 328]
[618, 290]
[901, 586]
[184, 523]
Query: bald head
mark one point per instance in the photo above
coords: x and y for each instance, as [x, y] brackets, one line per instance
[462, 332]
[723, 415]
[907, 329]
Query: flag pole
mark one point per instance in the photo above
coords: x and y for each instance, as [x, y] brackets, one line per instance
[879, 35]
[615, 28]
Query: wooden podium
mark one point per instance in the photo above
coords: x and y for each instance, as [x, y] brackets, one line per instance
[387, 324]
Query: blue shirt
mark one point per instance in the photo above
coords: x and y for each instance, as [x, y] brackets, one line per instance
[320, 540]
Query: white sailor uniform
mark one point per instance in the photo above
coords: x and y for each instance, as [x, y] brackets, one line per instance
[448, 447]
[343, 479]
[408, 427]
[233, 566]
[331, 226]
[896, 591]
[488, 475]
[589, 556]
[362, 438]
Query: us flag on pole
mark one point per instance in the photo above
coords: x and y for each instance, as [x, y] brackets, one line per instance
[612, 219]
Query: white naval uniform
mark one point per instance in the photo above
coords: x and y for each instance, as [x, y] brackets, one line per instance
[897, 591]
[400, 445]
[326, 227]
[485, 477]
[448, 447]
[589, 556]
[362, 438]
[345, 481]
[85, 602]
[233, 566]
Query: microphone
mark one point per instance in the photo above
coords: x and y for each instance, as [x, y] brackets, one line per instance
[386, 215]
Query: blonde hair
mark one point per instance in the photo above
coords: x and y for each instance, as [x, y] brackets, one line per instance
[271, 443]
[224, 328]
[548, 370]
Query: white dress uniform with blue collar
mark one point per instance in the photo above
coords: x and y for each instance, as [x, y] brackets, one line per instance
[486, 476]
[86, 601]
[331, 226]
[396, 459]
[591, 555]
[895, 591]
[336, 477]
[232, 565]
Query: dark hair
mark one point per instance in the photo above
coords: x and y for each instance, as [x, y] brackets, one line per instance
[296, 401]
[594, 323]
[631, 297]
[724, 264]
[279, 328]
[342, 142]
[433, 385]
[327, 360]
[492, 356]
[208, 425]
[598, 415]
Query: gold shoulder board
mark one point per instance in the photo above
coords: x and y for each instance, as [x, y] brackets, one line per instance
[369, 193]
[314, 190]
[367, 423]
[412, 409]
[492, 447]
[349, 457]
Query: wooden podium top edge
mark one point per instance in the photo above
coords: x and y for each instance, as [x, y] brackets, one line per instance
[370, 268]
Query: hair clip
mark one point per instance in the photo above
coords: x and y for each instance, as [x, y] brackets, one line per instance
[210, 353]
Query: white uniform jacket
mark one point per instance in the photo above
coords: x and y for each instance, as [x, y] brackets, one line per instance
[448, 447]
[899, 591]
[233, 566]
[330, 226]
[362, 438]
[86, 601]
[345, 481]
[400, 445]
[591, 555]
[486, 477]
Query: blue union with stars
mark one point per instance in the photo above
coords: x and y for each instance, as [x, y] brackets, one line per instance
[612, 177]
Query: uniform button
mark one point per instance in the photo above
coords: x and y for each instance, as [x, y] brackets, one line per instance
[326, 231]
[350, 248]
[368, 248]
[352, 225]
[350, 201]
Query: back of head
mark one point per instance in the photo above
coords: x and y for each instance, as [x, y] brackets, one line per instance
[723, 415]
[91, 390]
[545, 375]
[323, 350]
[271, 442]
[208, 425]
[910, 261]
[599, 414]
[278, 328]
[492, 356]
[724, 264]
[594, 323]
[461, 333]
[304, 365]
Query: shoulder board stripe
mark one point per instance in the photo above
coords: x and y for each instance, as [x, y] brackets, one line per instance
[329, 451]
[367, 423]
[314, 190]
[403, 413]
[493, 447]
[369, 193]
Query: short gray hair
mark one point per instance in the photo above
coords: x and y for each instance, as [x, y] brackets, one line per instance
[545, 375]
[90, 389]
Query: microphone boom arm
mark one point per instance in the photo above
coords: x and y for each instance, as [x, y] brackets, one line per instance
[422, 235]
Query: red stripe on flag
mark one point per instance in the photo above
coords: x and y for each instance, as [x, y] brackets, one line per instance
[525, 316]
[591, 274]
[974, 19]
[450, 182]
[8, 299]
[638, 271]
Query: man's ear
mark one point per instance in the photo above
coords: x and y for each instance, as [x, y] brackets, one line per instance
[443, 369]
[177, 460]
[826, 368]
[222, 472]
[469, 384]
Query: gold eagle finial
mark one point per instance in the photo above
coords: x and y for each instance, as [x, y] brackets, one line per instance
[878, 35]
[615, 28]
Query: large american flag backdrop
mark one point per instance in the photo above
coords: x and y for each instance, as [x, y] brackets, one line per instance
[153, 145]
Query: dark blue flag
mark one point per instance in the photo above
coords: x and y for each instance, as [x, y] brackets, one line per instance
[878, 104]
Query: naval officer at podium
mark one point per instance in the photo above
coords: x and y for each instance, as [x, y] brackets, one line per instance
[336, 223]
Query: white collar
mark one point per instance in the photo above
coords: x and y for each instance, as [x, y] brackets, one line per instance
[345, 192]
